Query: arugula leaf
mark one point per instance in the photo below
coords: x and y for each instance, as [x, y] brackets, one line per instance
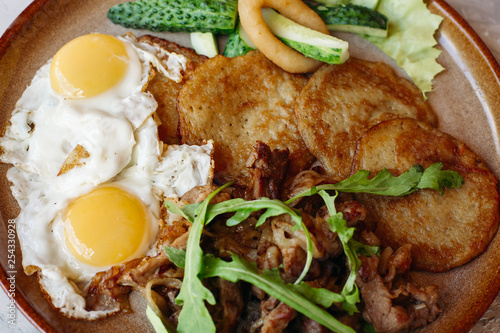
[339, 225]
[272, 208]
[176, 256]
[320, 296]
[363, 249]
[194, 316]
[384, 183]
[435, 178]
[271, 282]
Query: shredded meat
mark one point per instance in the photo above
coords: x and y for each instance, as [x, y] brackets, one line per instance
[104, 288]
[276, 316]
[268, 168]
[375, 280]
[302, 181]
[307, 325]
[232, 303]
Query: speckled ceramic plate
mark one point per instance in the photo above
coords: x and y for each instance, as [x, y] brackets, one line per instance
[466, 99]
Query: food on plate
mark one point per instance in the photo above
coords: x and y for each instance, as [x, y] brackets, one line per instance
[237, 102]
[372, 4]
[173, 15]
[339, 103]
[290, 242]
[445, 230]
[86, 156]
[311, 43]
[410, 39]
[270, 247]
[166, 90]
[204, 43]
[378, 281]
[352, 18]
[318, 247]
[279, 53]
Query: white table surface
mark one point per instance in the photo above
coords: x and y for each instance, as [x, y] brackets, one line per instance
[482, 15]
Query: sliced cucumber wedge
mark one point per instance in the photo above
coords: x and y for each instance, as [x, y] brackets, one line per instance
[372, 4]
[309, 42]
[238, 43]
[204, 43]
[352, 18]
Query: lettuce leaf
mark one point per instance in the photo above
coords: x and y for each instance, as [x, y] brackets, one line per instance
[410, 39]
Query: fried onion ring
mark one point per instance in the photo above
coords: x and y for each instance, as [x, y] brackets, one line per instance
[279, 53]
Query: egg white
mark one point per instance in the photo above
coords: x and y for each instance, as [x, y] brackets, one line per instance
[119, 132]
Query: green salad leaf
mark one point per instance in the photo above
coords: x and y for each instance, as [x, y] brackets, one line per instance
[271, 282]
[194, 316]
[437, 179]
[385, 183]
[159, 325]
[339, 225]
[410, 40]
[319, 296]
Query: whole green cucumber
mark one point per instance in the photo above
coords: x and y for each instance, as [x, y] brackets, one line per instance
[215, 16]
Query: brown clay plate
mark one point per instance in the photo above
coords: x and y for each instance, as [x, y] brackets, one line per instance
[466, 99]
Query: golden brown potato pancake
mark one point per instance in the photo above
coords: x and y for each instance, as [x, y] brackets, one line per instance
[340, 102]
[238, 102]
[447, 230]
[165, 90]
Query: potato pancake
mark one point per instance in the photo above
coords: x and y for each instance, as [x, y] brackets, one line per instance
[340, 102]
[165, 90]
[238, 102]
[446, 230]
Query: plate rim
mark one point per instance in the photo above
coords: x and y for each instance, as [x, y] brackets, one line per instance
[25, 19]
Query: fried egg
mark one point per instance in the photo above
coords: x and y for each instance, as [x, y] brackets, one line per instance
[89, 171]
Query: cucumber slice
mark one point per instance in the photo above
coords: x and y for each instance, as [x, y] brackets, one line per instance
[156, 321]
[309, 42]
[353, 18]
[159, 322]
[216, 16]
[204, 43]
[372, 4]
[238, 43]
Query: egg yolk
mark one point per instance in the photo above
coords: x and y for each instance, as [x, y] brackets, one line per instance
[106, 226]
[88, 65]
